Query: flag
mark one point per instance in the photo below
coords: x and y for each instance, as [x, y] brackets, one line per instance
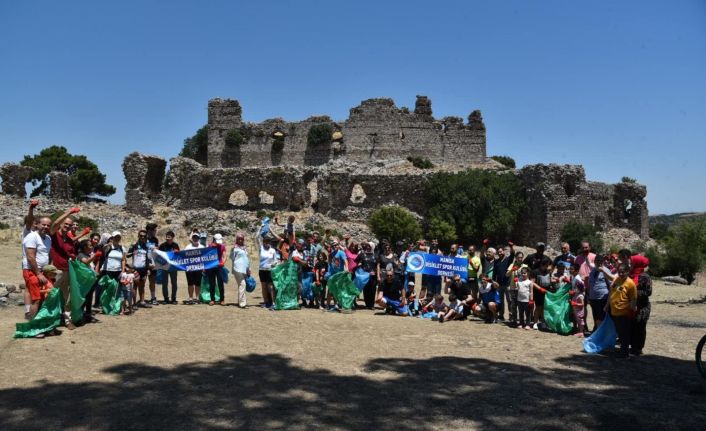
[81, 280]
[343, 289]
[47, 318]
[285, 280]
[556, 310]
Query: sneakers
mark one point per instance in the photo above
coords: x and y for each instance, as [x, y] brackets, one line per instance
[528, 328]
[154, 301]
[535, 326]
[143, 304]
[70, 326]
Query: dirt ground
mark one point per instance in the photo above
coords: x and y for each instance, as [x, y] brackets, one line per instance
[200, 367]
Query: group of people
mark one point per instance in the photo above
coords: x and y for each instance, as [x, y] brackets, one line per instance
[501, 284]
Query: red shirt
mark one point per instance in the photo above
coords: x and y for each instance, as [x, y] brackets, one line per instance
[62, 249]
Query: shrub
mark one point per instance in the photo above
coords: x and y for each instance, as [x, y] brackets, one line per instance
[478, 203]
[278, 144]
[320, 135]
[628, 180]
[657, 257]
[442, 230]
[686, 251]
[661, 232]
[234, 138]
[394, 223]
[421, 163]
[84, 221]
[575, 232]
[507, 161]
[4, 225]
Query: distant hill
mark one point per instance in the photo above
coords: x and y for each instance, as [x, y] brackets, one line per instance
[672, 219]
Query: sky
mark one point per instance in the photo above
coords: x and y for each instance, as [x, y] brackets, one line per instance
[617, 86]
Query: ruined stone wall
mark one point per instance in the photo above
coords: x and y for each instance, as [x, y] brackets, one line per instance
[376, 129]
[144, 179]
[59, 187]
[14, 178]
[558, 194]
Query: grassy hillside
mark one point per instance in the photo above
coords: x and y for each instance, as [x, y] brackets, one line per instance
[672, 219]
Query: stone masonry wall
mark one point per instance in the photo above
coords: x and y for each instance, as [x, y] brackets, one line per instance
[376, 129]
[14, 178]
[144, 179]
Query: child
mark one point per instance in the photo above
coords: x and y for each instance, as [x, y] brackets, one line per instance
[439, 307]
[455, 310]
[320, 270]
[577, 300]
[289, 233]
[524, 287]
[127, 281]
[542, 284]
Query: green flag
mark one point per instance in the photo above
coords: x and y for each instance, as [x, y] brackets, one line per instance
[205, 291]
[110, 298]
[556, 310]
[343, 289]
[81, 279]
[285, 280]
[47, 318]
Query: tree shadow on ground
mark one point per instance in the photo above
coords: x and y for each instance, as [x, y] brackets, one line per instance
[269, 391]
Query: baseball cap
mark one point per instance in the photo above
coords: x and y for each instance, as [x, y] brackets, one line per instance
[49, 268]
[411, 283]
[540, 245]
[116, 233]
[218, 238]
[196, 235]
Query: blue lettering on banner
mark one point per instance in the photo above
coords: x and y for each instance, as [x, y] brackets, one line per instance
[433, 264]
[196, 259]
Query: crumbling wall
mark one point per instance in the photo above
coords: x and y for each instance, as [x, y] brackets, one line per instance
[14, 178]
[59, 187]
[558, 194]
[144, 178]
[376, 129]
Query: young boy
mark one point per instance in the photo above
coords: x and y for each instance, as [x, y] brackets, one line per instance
[439, 307]
[127, 282]
[455, 311]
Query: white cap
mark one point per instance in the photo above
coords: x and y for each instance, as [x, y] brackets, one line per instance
[116, 233]
[218, 238]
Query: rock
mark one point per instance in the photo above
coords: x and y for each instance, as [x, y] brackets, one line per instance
[674, 279]
[3, 292]
[3, 301]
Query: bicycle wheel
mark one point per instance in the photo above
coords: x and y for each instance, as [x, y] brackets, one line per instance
[701, 357]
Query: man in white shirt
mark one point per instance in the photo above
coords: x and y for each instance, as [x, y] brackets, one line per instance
[35, 255]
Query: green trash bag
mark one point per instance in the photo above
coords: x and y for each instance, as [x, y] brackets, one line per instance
[343, 290]
[110, 298]
[48, 317]
[81, 279]
[285, 280]
[556, 310]
[205, 292]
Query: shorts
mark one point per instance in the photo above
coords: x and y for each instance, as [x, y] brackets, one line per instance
[126, 292]
[142, 272]
[32, 283]
[492, 296]
[193, 278]
[265, 276]
[396, 305]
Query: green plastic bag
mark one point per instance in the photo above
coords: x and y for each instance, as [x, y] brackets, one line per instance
[556, 310]
[285, 280]
[48, 317]
[110, 298]
[343, 290]
[205, 292]
[81, 279]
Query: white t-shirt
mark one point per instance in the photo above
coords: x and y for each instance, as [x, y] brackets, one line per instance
[267, 258]
[190, 246]
[42, 245]
[114, 259]
[523, 290]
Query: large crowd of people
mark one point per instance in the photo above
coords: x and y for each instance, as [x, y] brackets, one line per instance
[501, 285]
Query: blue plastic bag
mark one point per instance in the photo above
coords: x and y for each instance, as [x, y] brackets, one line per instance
[308, 285]
[224, 274]
[250, 283]
[159, 277]
[603, 338]
[361, 278]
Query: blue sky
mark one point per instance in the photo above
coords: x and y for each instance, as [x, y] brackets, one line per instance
[618, 86]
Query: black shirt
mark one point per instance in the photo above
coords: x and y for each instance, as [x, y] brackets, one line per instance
[460, 289]
[391, 288]
[535, 261]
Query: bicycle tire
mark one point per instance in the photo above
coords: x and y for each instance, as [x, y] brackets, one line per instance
[700, 360]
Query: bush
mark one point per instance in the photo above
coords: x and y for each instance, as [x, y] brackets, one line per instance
[661, 232]
[278, 144]
[196, 147]
[657, 257]
[4, 225]
[421, 163]
[628, 180]
[575, 233]
[84, 222]
[507, 161]
[394, 223]
[320, 135]
[234, 138]
[478, 203]
[441, 230]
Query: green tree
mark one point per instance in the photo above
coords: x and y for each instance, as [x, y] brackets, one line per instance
[478, 203]
[505, 160]
[320, 135]
[84, 177]
[394, 223]
[575, 232]
[441, 230]
[196, 147]
[686, 250]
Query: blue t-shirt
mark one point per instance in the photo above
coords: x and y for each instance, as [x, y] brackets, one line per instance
[338, 262]
[597, 285]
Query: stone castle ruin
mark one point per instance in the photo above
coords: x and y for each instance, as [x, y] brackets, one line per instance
[347, 169]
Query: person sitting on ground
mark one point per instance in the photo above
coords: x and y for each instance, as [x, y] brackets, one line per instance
[438, 307]
[127, 284]
[392, 295]
[455, 311]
